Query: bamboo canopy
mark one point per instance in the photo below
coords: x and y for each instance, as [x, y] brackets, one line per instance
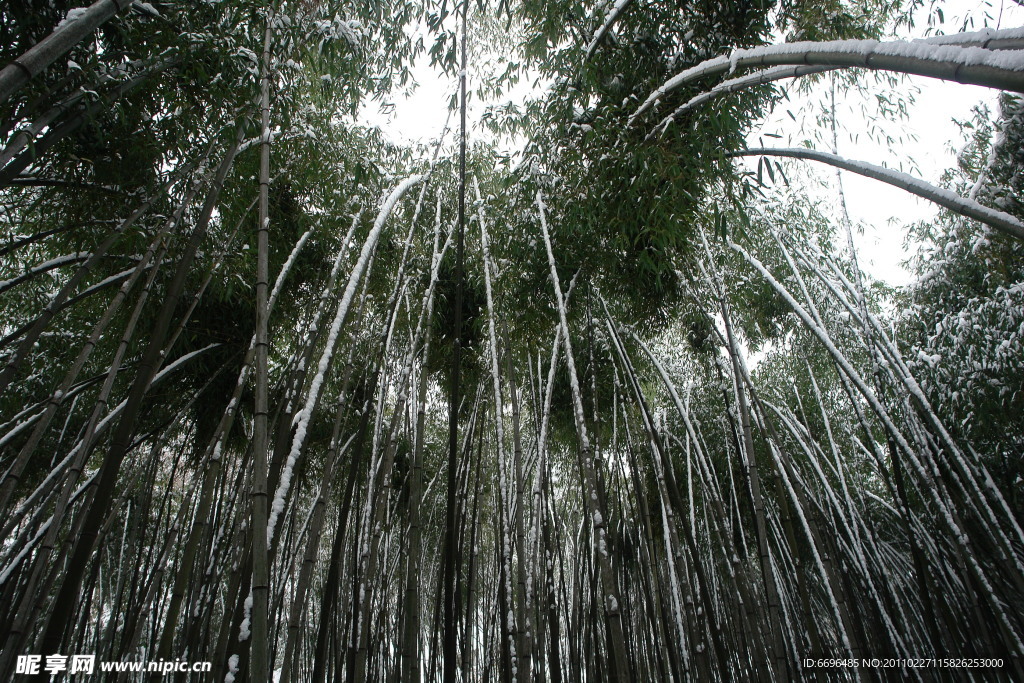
[284, 398]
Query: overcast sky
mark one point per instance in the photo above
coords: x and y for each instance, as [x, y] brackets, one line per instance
[872, 204]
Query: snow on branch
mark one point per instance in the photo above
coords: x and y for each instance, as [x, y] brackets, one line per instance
[613, 16]
[999, 220]
[988, 38]
[1003, 69]
[1007, 39]
[46, 266]
[313, 396]
[279, 282]
[742, 83]
[79, 23]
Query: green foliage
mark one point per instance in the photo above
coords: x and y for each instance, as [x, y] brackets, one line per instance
[962, 319]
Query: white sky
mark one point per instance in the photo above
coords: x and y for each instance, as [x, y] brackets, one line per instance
[872, 204]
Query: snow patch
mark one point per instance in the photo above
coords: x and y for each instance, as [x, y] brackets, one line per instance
[73, 15]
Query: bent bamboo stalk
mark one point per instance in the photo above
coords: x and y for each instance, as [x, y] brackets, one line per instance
[999, 220]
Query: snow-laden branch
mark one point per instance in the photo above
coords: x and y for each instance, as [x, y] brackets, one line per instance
[757, 78]
[1009, 39]
[999, 220]
[270, 136]
[80, 22]
[613, 15]
[102, 426]
[57, 262]
[988, 38]
[313, 397]
[1003, 69]
[279, 282]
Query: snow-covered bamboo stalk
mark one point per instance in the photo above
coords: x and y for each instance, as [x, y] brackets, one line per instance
[1002, 69]
[1009, 39]
[28, 341]
[614, 13]
[121, 439]
[517, 627]
[79, 23]
[610, 601]
[313, 395]
[946, 514]
[762, 77]
[260, 666]
[27, 133]
[44, 267]
[285, 269]
[1000, 220]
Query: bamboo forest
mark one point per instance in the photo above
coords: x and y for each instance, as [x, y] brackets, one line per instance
[595, 381]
